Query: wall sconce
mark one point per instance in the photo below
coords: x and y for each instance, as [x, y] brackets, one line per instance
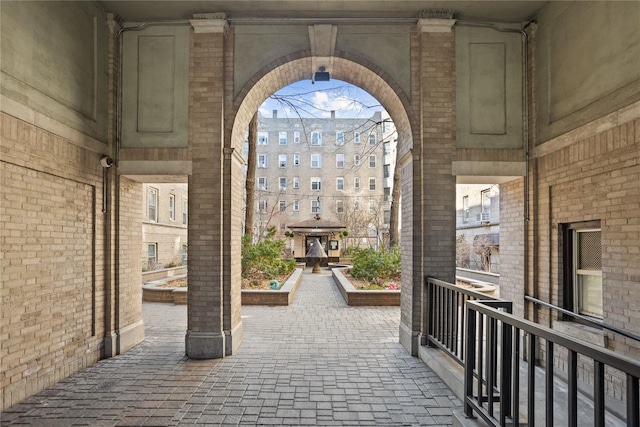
[320, 76]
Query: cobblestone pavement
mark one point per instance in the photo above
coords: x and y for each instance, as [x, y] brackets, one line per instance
[316, 362]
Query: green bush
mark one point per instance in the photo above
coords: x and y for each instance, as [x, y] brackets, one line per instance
[376, 266]
[264, 259]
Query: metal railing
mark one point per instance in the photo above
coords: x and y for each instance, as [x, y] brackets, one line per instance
[492, 380]
[445, 316]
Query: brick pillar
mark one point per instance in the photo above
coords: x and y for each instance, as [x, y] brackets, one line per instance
[433, 185]
[205, 337]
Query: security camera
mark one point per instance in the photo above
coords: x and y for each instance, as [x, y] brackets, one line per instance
[106, 162]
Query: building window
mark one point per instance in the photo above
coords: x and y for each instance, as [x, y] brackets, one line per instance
[339, 138]
[283, 183]
[282, 138]
[316, 207]
[283, 205]
[282, 160]
[316, 160]
[372, 139]
[387, 194]
[339, 161]
[296, 205]
[262, 183]
[387, 148]
[356, 137]
[583, 259]
[339, 206]
[340, 184]
[184, 252]
[263, 138]
[465, 209]
[356, 182]
[356, 160]
[372, 161]
[316, 138]
[316, 183]
[172, 207]
[185, 210]
[152, 204]
[296, 182]
[372, 184]
[152, 256]
[263, 161]
[485, 200]
[373, 231]
[262, 205]
[386, 170]
[296, 137]
[296, 159]
[356, 206]
[372, 206]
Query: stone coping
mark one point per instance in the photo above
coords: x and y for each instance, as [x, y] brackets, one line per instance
[356, 297]
[282, 296]
[152, 292]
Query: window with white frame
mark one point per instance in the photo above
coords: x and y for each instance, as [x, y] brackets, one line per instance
[152, 255]
[282, 160]
[316, 206]
[296, 205]
[263, 161]
[262, 205]
[152, 204]
[172, 207]
[485, 200]
[372, 161]
[356, 182]
[340, 184]
[296, 137]
[316, 138]
[185, 254]
[282, 138]
[296, 159]
[583, 263]
[283, 205]
[296, 182]
[185, 210]
[356, 137]
[372, 184]
[386, 171]
[340, 161]
[316, 183]
[373, 230]
[316, 160]
[263, 138]
[465, 208]
[339, 138]
[339, 206]
[372, 206]
[356, 160]
[372, 138]
[262, 183]
[387, 194]
[283, 183]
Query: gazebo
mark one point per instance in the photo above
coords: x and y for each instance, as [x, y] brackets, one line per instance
[327, 232]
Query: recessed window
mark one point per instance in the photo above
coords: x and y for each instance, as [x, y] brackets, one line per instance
[262, 205]
[372, 139]
[282, 160]
[316, 160]
[356, 160]
[296, 205]
[263, 138]
[386, 171]
[339, 206]
[283, 205]
[339, 161]
[152, 204]
[152, 256]
[372, 206]
[316, 138]
[296, 137]
[372, 184]
[316, 206]
[283, 183]
[296, 182]
[185, 210]
[372, 161]
[263, 161]
[282, 138]
[356, 137]
[296, 159]
[356, 182]
[172, 207]
[262, 183]
[316, 183]
[339, 138]
[340, 184]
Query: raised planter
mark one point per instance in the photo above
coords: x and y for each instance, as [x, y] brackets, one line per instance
[153, 292]
[282, 296]
[356, 297]
[173, 272]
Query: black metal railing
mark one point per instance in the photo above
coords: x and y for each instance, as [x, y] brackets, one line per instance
[492, 382]
[445, 313]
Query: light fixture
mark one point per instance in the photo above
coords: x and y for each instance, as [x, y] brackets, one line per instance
[320, 76]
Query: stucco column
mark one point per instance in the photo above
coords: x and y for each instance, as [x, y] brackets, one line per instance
[434, 188]
[205, 338]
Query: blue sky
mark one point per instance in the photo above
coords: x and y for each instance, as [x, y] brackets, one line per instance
[317, 100]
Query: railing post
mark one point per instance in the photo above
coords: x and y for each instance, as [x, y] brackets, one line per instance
[469, 361]
[633, 415]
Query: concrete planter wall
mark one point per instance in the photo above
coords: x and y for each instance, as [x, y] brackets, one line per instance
[282, 296]
[150, 276]
[356, 297]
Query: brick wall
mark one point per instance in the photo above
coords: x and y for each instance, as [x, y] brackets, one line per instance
[512, 244]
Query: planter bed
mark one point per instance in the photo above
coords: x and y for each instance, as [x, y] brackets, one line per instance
[282, 296]
[153, 292]
[355, 297]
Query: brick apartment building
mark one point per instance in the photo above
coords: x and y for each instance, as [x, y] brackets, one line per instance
[548, 107]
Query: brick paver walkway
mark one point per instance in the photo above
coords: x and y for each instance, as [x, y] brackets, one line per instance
[316, 362]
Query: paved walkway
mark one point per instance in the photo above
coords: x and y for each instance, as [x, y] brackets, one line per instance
[316, 362]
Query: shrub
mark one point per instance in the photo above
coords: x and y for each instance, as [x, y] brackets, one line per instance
[376, 266]
[264, 259]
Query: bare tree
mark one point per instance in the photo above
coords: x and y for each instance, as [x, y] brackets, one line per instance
[394, 238]
[250, 185]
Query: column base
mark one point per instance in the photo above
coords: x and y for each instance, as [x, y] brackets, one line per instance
[204, 345]
[233, 339]
[409, 339]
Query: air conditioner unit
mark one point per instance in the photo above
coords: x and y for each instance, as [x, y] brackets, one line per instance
[483, 217]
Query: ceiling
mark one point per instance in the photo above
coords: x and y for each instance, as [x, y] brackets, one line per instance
[496, 11]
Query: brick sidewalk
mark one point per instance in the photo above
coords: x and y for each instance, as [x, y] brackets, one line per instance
[316, 362]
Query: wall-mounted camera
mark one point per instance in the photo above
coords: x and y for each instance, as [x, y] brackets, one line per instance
[106, 162]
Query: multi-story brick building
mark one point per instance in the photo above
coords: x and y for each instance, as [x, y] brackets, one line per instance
[329, 167]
